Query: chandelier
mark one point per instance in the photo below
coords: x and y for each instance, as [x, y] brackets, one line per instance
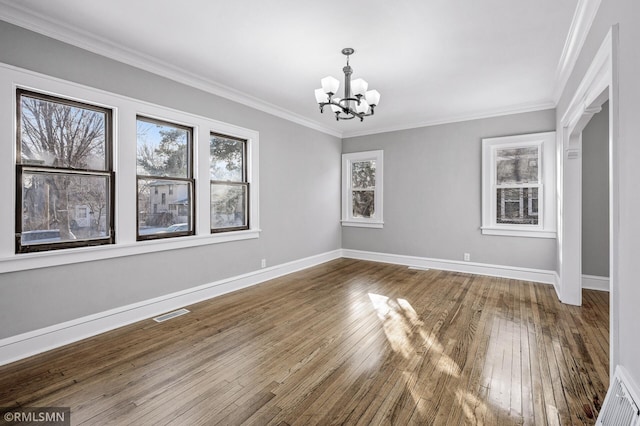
[357, 101]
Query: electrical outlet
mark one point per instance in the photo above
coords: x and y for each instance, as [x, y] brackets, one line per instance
[263, 264]
[467, 257]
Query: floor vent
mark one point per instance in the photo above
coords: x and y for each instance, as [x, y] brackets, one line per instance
[168, 316]
[418, 268]
[620, 407]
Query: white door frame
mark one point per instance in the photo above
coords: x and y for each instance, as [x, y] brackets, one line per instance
[599, 84]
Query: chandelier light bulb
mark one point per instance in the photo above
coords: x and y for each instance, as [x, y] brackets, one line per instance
[362, 107]
[330, 85]
[321, 96]
[372, 97]
[359, 87]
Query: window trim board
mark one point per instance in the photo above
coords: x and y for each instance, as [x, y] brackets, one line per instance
[546, 227]
[125, 110]
[347, 219]
[108, 172]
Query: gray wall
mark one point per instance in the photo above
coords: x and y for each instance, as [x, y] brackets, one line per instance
[299, 198]
[432, 194]
[595, 195]
[626, 291]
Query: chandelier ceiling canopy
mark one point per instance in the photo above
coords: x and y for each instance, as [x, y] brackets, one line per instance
[357, 101]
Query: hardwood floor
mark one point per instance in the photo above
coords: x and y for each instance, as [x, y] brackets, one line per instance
[346, 342]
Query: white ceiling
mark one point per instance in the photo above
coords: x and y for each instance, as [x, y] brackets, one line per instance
[432, 60]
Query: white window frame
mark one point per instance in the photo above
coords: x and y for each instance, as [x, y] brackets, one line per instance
[546, 227]
[125, 110]
[347, 200]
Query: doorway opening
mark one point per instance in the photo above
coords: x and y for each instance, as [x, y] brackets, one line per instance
[598, 88]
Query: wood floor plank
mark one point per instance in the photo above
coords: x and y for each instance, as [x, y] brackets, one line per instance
[346, 342]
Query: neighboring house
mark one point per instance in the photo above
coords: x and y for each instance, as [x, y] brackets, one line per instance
[169, 203]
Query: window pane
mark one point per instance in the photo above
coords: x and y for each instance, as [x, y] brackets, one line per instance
[517, 165]
[228, 206]
[363, 174]
[162, 149]
[59, 207]
[363, 204]
[55, 134]
[226, 159]
[160, 212]
[517, 206]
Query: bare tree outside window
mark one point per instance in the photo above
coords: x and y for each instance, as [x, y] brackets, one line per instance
[64, 169]
[363, 184]
[229, 185]
[165, 182]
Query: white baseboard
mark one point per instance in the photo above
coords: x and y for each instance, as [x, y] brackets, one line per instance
[592, 282]
[34, 342]
[556, 284]
[525, 274]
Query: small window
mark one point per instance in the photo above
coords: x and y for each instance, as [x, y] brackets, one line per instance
[362, 189]
[81, 213]
[518, 185]
[164, 160]
[228, 184]
[64, 171]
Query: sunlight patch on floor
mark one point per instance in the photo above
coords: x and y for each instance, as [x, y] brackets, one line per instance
[406, 333]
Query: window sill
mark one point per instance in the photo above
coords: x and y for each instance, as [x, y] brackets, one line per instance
[25, 261]
[518, 232]
[358, 224]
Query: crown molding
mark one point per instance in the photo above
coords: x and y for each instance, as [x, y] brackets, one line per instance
[541, 106]
[583, 18]
[16, 14]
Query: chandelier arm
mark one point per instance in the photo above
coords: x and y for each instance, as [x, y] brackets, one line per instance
[356, 99]
[347, 117]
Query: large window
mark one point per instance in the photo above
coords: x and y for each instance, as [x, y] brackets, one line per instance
[64, 174]
[78, 176]
[165, 179]
[229, 185]
[519, 185]
[362, 189]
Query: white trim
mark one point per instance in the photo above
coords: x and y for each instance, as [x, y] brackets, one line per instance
[583, 18]
[546, 227]
[355, 224]
[125, 110]
[347, 160]
[488, 230]
[19, 15]
[28, 261]
[599, 84]
[34, 342]
[512, 272]
[455, 119]
[593, 282]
